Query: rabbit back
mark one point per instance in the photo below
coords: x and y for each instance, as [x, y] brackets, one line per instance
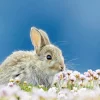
[19, 63]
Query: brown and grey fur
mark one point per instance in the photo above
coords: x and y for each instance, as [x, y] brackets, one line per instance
[32, 66]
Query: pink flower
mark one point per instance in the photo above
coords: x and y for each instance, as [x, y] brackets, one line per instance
[90, 72]
[87, 74]
[69, 72]
[82, 77]
[98, 71]
[76, 74]
[72, 78]
[10, 84]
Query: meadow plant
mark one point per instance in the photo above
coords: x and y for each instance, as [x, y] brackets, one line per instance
[67, 85]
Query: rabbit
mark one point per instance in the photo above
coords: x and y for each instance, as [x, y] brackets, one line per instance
[37, 67]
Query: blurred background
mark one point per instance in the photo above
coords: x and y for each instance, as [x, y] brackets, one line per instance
[72, 25]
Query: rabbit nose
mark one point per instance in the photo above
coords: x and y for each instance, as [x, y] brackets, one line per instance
[62, 66]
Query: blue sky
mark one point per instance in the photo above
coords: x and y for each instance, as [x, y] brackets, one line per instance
[74, 22]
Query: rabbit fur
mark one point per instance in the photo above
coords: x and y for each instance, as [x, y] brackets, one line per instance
[33, 66]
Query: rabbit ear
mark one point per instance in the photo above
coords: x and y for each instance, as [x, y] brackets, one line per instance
[45, 37]
[39, 38]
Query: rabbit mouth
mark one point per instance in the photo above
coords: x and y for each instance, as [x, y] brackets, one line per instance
[61, 69]
[57, 68]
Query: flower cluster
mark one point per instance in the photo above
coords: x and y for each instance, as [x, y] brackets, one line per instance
[73, 79]
[67, 85]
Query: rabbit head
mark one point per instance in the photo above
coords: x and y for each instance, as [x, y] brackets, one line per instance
[49, 56]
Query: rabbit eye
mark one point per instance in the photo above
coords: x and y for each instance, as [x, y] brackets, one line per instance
[49, 57]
